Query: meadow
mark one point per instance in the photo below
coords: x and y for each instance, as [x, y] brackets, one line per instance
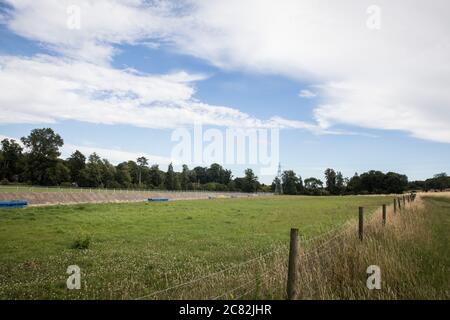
[138, 250]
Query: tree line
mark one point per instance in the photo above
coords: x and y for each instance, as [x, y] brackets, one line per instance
[371, 182]
[439, 182]
[39, 163]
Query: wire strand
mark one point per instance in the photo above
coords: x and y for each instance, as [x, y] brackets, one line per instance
[209, 275]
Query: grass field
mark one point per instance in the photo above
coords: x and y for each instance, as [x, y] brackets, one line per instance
[412, 252]
[136, 249]
[434, 255]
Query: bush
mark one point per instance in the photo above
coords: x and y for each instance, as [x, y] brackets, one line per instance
[81, 243]
[4, 182]
[66, 184]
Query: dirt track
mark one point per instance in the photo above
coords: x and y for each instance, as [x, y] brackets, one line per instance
[53, 198]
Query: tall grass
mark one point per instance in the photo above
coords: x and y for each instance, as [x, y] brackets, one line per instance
[334, 266]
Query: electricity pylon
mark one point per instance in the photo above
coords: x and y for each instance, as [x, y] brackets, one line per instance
[278, 185]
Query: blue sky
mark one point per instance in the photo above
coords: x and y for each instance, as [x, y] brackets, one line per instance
[121, 89]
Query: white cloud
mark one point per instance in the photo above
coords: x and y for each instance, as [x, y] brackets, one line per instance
[307, 94]
[103, 23]
[396, 78]
[46, 89]
[113, 155]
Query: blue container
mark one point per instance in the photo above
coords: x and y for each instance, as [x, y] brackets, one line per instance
[158, 199]
[13, 204]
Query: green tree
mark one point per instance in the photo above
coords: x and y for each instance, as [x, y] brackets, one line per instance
[313, 186]
[439, 182]
[354, 184]
[58, 174]
[93, 172]
[76, 163]
[330, 181]
[10, 160]
[43, 146]
[184, 177]
[290, 181]
[170, 181]
[142, 163]
[108, 174]
[340, 183]
[300, 186]
[123, 175]
[394, 183]
[156, 177]
[250, 182]
[200, 175]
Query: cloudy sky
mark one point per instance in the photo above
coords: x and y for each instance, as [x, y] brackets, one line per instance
[352, 84]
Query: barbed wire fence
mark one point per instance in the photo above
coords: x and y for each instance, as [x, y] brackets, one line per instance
[312, 247]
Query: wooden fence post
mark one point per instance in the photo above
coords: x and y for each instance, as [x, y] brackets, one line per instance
[293, 266]
[399, 204]
[395, 205]
[361, 223]
[384, 215]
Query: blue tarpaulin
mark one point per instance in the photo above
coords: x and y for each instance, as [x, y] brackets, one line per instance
[158, 199]
[13, 204]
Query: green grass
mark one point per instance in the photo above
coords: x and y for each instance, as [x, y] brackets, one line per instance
[433, 255]
[134, 249]
[412, 251]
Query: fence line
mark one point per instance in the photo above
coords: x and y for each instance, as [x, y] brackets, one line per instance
[124, 190]
[295, 256]
[233, 290]
[313, 251]
[210, 275]
[260, 257]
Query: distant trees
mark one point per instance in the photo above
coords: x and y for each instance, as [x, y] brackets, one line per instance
[92, 174]
[123, 175]
[439, 182]
[330, 181]
[185, 178]
[340, 183]
[313, 186]
[290, 182]
[76, 164]
[38, 162]
[250, 182]
[371, 182]
[142, 163]
[42, 157]
[155, 177]
[11, 160]
[171, 179]
[377, 182]
[41, 165]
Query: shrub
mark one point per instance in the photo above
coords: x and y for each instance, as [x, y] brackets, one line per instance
[66, 184]
[81, 243]
[4, 182]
